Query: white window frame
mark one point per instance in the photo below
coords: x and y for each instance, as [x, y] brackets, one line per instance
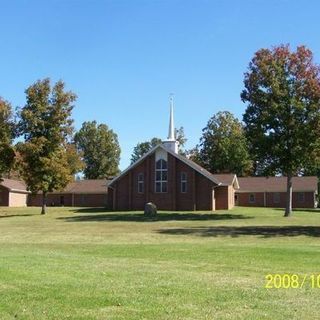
[162, 182]
[183, 182]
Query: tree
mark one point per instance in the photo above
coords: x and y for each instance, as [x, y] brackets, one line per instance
[181, 138]
[75, 163]
[223, 146]
[7, 153]
[46, 124]
[282, 89]
[143, 147]
[100, 149]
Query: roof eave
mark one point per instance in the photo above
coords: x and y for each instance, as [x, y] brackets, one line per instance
[170, 152]
[124, 172]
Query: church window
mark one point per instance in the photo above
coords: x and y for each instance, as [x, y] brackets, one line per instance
[140, 183]
[183, 181]
[161, 176]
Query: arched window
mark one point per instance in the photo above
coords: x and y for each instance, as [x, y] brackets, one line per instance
[161, 177]
[140, 183]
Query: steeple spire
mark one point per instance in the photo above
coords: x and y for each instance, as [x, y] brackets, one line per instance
[171, 143]
[171, 135]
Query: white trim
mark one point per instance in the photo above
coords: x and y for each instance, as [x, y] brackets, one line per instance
[17, 190]
[133, 165]
[272, 191]
[186, 161]
[234, 181]
[161, 170]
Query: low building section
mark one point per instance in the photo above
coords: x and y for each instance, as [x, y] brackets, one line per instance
[271, 192]
[80, 193]
[13, 193]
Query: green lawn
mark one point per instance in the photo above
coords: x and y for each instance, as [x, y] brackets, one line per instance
[91, 264]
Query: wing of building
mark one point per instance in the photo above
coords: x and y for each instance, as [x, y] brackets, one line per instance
[13, 193]
[271, 192]
[79, 193]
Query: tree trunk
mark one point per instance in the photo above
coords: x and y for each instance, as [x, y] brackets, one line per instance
[289, 196]
[44, 203]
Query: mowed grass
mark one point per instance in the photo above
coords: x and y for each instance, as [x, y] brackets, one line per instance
[77, 263]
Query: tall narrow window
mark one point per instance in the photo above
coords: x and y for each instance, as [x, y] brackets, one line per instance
[252, 198]
[183, 182]
[301, 197]
[140, 183]
[276, 197]
[161, 178]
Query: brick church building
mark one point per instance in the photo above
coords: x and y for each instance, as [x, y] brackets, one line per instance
[171, 181]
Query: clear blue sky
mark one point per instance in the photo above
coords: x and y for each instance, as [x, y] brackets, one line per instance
[123, 58]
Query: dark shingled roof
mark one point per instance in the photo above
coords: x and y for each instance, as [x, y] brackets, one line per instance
[277, 184]
[87, 186]
[225, 178]
[14, 185]
[79, 186]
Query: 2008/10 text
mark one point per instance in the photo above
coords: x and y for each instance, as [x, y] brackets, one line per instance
[292, 281]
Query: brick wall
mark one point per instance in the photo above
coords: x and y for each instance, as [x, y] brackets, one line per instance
[69, 200]
[224, 196]
[125, 196]
[18, 199]
[270, 199]
[4, 196]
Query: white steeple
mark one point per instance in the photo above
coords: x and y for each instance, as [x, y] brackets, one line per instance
[171, 143]
[171, 135]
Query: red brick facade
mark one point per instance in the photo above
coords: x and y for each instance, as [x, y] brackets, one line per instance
[4, 196]
[275, 199]
[271, 192]
[201, 193]
[70, 200]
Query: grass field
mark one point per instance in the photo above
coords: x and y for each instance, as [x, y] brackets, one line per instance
[91, 264]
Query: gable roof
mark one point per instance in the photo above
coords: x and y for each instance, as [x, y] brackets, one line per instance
[190, 163]
[80, 186]
[14, 185]
[277, 184]
[86, 186]
[228, 179]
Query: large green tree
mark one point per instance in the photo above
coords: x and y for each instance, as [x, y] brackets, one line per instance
[143, 147]
[223, 146]
[46, 124]
[100, 150]
[282, 92]
[7, 153]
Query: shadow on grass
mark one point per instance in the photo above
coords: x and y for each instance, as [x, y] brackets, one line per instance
[316, 210]
[17, 215]
[140, 217]
[260, 231]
